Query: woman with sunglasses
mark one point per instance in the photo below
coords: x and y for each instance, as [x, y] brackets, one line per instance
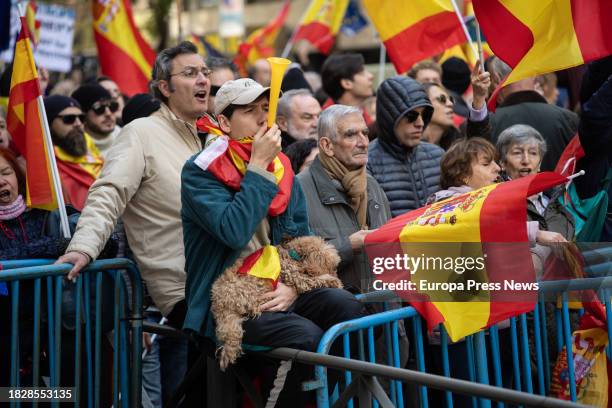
[441, 129]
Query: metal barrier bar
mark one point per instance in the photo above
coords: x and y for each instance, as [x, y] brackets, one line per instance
[515, 354]
[497, 374]
[445, 363]
[538, 349]
[423, 379]
[545, 345]
[469, 344]
[482, 368]
[568, 348]
[15, 271]
[396, 361]
[525, 354]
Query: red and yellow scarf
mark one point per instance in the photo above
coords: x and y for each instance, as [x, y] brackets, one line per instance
[227, 160]
[263, 263]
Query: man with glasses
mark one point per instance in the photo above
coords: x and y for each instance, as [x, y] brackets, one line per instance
[78, 160]
[141, 183]
[100, 108]
[407, 168]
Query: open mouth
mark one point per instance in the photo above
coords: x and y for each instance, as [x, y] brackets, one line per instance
[5, 195]
[201, 96]
[524, 172]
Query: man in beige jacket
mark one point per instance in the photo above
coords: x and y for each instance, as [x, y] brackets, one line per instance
[141, 180]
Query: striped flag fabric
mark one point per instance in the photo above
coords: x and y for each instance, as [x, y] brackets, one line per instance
[415, 30]
[321, 23]
[24, 121]
[544, 36]
[263, 263]
[486, 225]
[124, 55]
[260, 43]
[204, 47]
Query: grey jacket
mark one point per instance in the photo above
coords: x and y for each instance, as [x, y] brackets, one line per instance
[331, 217]
[407, 176]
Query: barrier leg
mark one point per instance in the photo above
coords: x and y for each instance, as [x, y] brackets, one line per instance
[471, 368]
[36, 348]
[525, 354]
[547, 368]
[445, 364]
[14, 335]
[481, 364]
[538, 349]
[496, 357]
[418, 335]
[568, 347]
[98, 341]
[396, 356]
[347, 374]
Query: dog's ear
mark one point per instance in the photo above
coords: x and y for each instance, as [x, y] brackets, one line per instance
[316, 257]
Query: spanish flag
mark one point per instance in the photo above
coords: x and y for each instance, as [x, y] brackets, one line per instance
[124, 55]
[227, 160]
[321, 23]
[416, 29]
[263, 263]
[547, 35]
[24, 122]
[464, 255]
[260, 44]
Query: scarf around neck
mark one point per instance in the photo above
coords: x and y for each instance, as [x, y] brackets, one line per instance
[355, 183]
[12, 210]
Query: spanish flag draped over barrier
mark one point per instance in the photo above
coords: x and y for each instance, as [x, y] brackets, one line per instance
[321, 23]
[24, 122]
[542, 36]
[263, 263]
[227, 160]
[124, 55]
[415, 30]
[488, 226]
[260, 43]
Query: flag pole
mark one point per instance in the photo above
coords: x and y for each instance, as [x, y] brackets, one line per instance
[479, 42]
[465, 29]
[179, 12]
[291, 41]
[381, 63]
[57, 186]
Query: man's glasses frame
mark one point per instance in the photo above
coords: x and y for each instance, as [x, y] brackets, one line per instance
[99, 108]
[69, 119]
[192, 72]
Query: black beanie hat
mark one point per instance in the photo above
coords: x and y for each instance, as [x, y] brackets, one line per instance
[456, 75]
[139, 106]
[294, 79]
[89, 94]
[57, 103]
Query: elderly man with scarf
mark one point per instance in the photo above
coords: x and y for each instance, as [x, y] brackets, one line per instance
[344, 202]
[238, 196]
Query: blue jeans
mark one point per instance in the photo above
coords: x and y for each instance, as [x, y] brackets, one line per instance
[151, 374]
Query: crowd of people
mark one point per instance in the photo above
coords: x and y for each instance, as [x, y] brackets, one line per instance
[185, 179]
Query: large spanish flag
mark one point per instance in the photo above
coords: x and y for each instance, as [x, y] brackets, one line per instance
[475, 243]
[416, 29]
[124, 55]
[542, 36]
[260, 43]
[321, 23]
[24, 122]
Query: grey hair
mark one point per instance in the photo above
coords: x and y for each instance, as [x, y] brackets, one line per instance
[163, 67]
[329, 117]
[284, 103]
[500, 68]
[519, 134]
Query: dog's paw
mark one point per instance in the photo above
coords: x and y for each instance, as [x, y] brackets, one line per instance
[227, 355]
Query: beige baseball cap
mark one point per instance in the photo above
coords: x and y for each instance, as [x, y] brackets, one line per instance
[238, 92]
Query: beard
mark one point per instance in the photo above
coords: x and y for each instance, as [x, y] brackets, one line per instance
[72, 143]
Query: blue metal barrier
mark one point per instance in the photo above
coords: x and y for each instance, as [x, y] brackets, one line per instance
[77, 324]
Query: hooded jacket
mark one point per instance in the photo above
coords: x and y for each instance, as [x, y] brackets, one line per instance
[407, 175]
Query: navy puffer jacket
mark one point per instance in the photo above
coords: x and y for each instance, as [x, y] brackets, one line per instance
[407, 175]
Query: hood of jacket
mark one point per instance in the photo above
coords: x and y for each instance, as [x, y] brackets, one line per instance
[395, 97]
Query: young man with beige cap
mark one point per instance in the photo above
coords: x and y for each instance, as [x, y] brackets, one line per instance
[234, 205]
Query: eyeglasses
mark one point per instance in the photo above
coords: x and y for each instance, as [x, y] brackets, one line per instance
[192, 72]
[414, 115]
[443, 99]
[99, 108]
[70, 119]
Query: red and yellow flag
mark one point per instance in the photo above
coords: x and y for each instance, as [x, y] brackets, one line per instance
[260, 44]
[227, 160]
[415, 30]
[547, 35]
[460, 252]
[124, 55]
[33, 23]
[263, 263]
[24, 122]
[321, 23]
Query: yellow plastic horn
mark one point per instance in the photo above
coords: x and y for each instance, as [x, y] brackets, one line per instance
[278, 66]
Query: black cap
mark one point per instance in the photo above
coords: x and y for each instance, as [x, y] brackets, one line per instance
[89, 94]
[139, 106]
[57, 103]
[456, 75]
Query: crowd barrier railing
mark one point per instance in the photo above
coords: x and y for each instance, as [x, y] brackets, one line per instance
[50, 316]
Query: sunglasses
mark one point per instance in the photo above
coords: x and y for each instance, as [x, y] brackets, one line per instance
[214, 89]
[100, 108]
[414, 115]
[70, 119]
[443, 99]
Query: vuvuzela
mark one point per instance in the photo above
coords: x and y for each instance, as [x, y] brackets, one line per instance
[277, 67]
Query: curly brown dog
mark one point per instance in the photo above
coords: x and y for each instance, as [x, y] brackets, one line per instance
[306, 263]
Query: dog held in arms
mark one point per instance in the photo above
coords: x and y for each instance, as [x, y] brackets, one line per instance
[307, 263]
